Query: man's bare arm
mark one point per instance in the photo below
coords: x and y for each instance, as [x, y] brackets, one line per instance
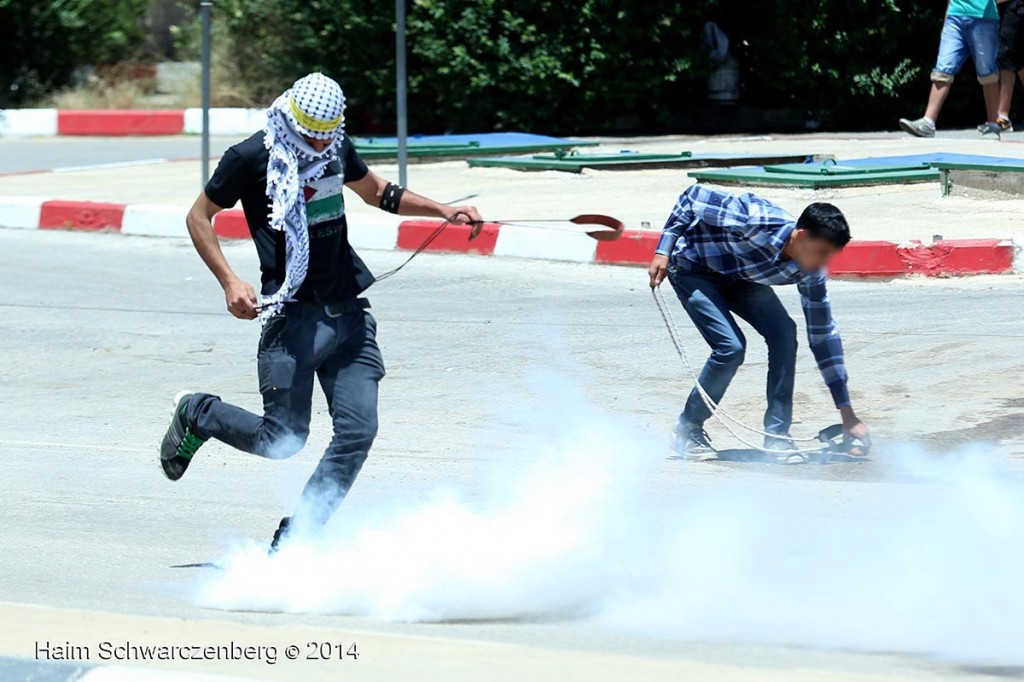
[371, 188]
[238, 294]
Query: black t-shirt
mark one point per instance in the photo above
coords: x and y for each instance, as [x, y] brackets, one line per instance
[335, 272]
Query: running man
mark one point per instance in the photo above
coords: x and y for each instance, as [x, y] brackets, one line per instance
[289, 179]
[971, 29]
[723, 253]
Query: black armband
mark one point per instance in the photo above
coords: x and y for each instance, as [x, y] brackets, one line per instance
[391, 199]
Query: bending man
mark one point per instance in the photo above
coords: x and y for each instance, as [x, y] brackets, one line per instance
[722, 253]
[289, 179]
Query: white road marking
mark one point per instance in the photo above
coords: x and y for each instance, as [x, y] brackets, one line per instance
[105, 166]
[81, 446]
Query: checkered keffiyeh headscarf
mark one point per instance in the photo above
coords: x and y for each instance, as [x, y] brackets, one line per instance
[314, 107]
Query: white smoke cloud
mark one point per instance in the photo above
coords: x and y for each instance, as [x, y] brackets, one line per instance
[928, 559]
[544, 542]
[929, 564]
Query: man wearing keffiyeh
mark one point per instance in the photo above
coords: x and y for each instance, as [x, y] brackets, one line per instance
[315, 324]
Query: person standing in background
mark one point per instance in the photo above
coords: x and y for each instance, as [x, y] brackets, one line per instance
[1010, 57]
[971, 29]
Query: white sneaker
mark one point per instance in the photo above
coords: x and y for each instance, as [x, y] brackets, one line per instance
[691, 441]
[777, 447]
[918, 127]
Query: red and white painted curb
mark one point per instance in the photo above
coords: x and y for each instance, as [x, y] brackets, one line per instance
[636, 247]
[384, 231]
[121, 122]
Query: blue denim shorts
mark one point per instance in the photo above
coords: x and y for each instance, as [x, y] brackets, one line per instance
[964, 37]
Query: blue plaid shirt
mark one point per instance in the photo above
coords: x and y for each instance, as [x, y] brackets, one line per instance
[742, 236]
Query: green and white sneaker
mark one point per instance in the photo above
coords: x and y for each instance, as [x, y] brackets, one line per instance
[179, 443]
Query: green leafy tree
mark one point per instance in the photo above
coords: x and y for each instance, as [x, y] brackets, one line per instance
[478, 64]
[41, 43]
[850, 63]
[561, 66]
[578, 66]
[274, 43]
[565, 66]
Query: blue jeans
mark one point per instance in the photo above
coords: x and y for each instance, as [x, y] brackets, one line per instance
[303, 343]
[710, 300]
[964, 37]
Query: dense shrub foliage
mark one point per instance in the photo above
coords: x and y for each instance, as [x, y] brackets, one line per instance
[42, 42]
[559, 66]
[599, 65]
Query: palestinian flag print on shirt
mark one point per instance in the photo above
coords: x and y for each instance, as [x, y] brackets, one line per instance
[324, 201]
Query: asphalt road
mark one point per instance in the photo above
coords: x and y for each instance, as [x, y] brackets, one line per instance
[546, 388]
[26, 154]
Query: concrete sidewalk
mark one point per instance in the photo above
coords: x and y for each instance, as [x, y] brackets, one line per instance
[898, 229]
[641, 199]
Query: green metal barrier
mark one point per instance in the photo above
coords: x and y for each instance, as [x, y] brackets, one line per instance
[817, 176]
[575, 162]
[371, 149]
[1002, 177]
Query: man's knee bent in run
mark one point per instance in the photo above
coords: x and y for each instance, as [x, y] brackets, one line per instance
[281, 443]
[282, 431]
[730, 353]
[269, 435]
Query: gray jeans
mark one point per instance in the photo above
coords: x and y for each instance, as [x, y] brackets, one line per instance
[302, 343]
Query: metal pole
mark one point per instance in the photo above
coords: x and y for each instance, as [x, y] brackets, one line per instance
[403, 122]
[204, 8]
